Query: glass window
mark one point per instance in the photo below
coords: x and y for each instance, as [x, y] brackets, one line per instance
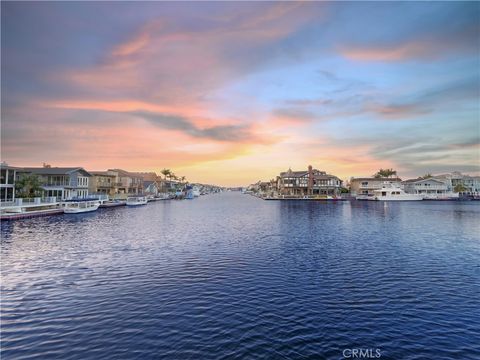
[11, 174]
[3, 177]
[9, 194]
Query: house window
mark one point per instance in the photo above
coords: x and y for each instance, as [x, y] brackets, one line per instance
[10, 177]
[365, 183]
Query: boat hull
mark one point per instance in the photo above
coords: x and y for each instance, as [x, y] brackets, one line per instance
[79, 210]
[137, 203]
[398, 198]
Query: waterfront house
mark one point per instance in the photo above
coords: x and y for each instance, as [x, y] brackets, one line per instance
[429, 188]
[367, 185]
[127, 182]
[61, 182]
[307, 182]
[8, 176]
[152, 183]
[102, 183]
[471, 184]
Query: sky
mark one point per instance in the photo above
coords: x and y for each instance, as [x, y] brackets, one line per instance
[234, 92]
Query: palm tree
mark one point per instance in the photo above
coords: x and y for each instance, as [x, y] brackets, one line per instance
[165, 172]
[385, 173]
[28, 186]
[459, 188]
[182, 179]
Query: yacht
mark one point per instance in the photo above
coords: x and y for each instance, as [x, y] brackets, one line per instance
[136, 200]
[80, 206]
[393, 192]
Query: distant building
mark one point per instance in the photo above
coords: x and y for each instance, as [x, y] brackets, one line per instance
[102, 182]
[366, 186]
[62, 182]
[8, 175]
[309, 182]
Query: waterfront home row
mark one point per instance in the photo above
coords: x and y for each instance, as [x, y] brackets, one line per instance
[432, 187]
[63, 183]
[315, 183]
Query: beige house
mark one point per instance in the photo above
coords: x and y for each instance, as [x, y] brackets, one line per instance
[102, 182]
[127, 182]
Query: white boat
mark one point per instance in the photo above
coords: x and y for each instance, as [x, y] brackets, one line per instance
[393, 192]
[80, 206]
[136, 200]
[364, 197]
[196, 191]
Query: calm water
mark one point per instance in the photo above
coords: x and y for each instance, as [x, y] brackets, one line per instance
[230, 276]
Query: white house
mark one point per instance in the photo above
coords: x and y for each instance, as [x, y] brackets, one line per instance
[7, 182]
[429, 188]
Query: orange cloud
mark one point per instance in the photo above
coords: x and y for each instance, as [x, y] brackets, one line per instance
[393, 53]
[397, 111]
[124, 106]
[427, 47]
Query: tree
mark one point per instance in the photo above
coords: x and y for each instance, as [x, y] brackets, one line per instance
[427, 176]
[385, 173]
[182, 179]
[166, 172]
[459, 188]
[29, 186]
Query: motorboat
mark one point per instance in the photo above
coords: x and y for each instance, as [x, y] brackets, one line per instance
[136, 200]
[80, 206]
[189, 195]
[196, 191]
[393, 192]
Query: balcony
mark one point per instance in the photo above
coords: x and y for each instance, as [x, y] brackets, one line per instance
[56, 183]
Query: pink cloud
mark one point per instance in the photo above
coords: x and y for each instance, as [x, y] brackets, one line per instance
[423, 48]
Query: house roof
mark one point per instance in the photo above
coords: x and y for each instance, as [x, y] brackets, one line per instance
[6, 166]
[293, 173]
[55, 170]
[126, 173]
[412, 181]
[301, 173]
[103, 173]
[375, 179]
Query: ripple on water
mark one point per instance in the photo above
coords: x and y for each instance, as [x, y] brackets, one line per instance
[230, 276]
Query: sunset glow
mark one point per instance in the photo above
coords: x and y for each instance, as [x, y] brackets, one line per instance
[231, 93]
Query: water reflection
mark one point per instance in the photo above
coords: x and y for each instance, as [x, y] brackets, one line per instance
[234, 276]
